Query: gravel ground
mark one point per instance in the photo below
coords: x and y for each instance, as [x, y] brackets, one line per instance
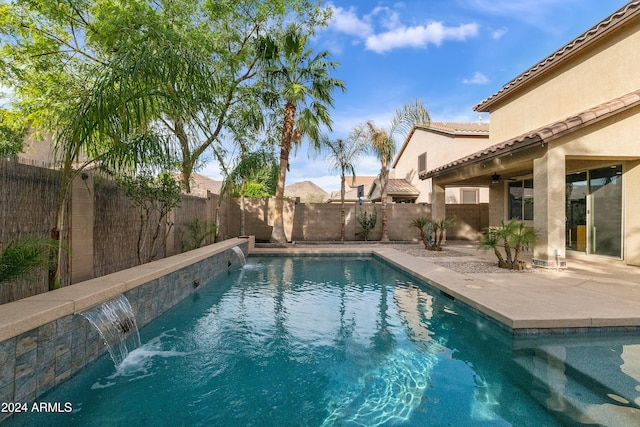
[449, 258]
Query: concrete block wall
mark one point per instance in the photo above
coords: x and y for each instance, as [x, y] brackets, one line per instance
[321, 221]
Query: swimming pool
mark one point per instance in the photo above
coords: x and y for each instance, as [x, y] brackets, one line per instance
[309, 341]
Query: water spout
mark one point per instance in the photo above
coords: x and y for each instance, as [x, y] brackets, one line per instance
[116, 323]
[240, 254]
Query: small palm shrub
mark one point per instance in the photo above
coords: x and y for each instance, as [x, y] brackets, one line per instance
[194, 233]
[514, 237]
[23, 256]
[432, 233]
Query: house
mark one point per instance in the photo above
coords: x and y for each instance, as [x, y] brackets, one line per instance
[398, 191]
[200, 184]
[565, 148]
[433, 144]
[354, 187]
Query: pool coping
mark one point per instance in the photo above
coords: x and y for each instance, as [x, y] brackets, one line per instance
[539, 303]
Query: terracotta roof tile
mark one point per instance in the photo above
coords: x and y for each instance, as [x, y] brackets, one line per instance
[545, 133]
[458, 128]
[623, 14]
[401, 187]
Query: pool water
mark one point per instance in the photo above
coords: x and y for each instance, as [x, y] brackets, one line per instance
[308, 341]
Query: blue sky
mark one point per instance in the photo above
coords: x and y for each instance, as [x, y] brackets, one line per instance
[451, 54]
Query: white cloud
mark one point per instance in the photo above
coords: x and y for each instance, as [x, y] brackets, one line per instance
[347, 22]
[391, 33]
[477, 79]
[497, 34]
[419, 36]
[390, 19]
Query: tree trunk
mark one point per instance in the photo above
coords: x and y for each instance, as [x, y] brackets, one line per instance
[507, 251]
[55, 267]
[384, 178]
[242, 213]
[278, 235]
[56, 255]
[342, 216]
[187, 157]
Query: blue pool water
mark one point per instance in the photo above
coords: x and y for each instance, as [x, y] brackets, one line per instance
[310, 342]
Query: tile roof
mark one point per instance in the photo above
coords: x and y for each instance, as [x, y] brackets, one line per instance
[629, 11]
[543, 134]
[457, 128]
[401, 187]
[359, 180]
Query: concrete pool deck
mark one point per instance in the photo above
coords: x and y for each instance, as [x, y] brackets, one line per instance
[593, 293]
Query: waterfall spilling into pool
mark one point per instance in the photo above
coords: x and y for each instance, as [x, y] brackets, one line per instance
[240, 254]
[116, 323]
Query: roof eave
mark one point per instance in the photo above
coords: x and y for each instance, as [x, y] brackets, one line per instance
[564, 54]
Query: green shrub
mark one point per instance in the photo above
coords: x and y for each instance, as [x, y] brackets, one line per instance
[24, 256]
[367, 222]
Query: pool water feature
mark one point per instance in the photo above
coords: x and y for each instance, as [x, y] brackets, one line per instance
[310, 341]
[116, 324]
[240, 254]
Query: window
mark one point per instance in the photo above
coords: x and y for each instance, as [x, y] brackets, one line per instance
[469, 195]
[521, 200]
[422, 162]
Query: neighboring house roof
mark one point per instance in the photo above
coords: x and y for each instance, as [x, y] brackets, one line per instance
[594, 34]
[401, 187]
[395, 188]
[458, 128]
[203, 183]
[543, 134]
[449, 128]
[359, 180]
[350, 195]
[307, 191]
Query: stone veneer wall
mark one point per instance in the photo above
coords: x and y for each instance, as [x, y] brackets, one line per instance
[37, 360]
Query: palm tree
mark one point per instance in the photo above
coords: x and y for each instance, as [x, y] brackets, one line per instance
[342, 155]
[420, 223]
[521, 238]
[302, 81]
[383, 145]
[491, 240]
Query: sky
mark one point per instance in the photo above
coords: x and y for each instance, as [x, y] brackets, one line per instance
[450, 54]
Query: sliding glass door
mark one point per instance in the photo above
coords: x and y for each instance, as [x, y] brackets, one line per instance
[594, 211]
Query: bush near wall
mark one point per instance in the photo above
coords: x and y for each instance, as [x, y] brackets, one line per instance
[28, 198]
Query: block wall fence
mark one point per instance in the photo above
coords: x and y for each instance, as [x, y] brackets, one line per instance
[102, 224]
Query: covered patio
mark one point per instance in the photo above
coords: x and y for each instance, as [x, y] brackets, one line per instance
[573, 180]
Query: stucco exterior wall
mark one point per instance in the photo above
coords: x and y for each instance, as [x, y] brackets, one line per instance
[441, 149]
[608, 70]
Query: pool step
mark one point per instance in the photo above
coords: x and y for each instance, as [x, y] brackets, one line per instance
[572, 389]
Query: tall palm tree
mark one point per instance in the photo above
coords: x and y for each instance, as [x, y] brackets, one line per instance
[342, 155]
[303, 82]
[383, 145]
